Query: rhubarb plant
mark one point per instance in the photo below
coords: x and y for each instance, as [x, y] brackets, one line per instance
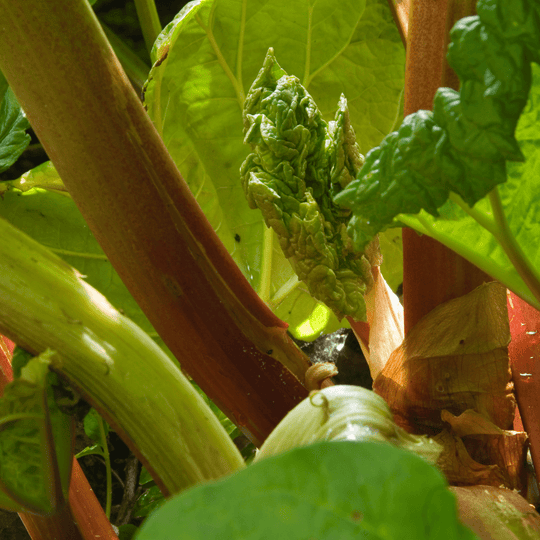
[305, 171]
[465, 172]
[200, 116]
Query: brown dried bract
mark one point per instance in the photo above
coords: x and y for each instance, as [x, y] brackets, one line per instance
[475, 451]
[454, 359]
[451, 378]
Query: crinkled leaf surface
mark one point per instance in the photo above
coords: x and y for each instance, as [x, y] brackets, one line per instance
[13, 126]
[205, 62]
[521, 202]
[337, 490]
[297, 162]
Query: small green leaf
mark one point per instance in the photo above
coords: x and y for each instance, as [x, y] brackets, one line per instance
[35, 440]
[13, 126]
[96, 428]
[341, 490]
[149, 501]
[95, 450]
[145, 477]
[19, 360]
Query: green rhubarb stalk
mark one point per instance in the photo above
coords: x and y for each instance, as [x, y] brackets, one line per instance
[45, 303]
[149, 20]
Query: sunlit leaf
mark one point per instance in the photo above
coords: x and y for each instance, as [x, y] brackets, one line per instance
[205, 62]
[361, 490]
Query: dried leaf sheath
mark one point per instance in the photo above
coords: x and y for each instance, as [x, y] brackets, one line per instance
[451, 378]
[455, 358]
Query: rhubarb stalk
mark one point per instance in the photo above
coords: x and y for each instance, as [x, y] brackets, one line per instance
[432, 274]
[118, 368]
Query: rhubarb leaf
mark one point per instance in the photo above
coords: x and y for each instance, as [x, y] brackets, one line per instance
[298, 162]
[205, 62]
[43, 176]
[13, 126]
[361, 490]
[462, 146]
[462, 231]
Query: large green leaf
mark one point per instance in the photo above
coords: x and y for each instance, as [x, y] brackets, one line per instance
[521, 202]
[340, 490]
[13, 126]
[205, 62]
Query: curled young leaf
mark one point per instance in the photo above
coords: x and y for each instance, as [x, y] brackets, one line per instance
[319, 375]
[299, 162]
